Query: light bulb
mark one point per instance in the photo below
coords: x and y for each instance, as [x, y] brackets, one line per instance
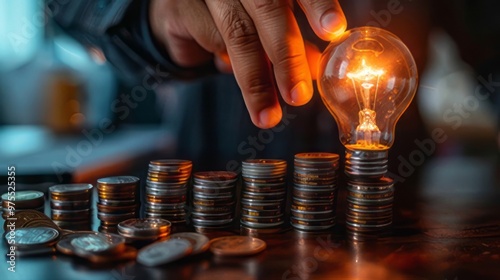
[367, 79]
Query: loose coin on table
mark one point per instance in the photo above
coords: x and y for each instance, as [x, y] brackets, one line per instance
[237, 245]
[164, 252]
[32, 238]
[200, 242]
[20, 218]
[100, 243]
[65, 246]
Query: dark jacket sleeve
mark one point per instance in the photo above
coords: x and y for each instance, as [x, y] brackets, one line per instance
[120, 29]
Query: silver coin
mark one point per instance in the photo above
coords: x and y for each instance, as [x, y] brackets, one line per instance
[32, 237]
[200, 242]
[64, 245]
[200, 222]
[71, 188]
[99, 243]
[24, 199]
[118, 180]
[23, 195]
[164, 252]
[148, 228]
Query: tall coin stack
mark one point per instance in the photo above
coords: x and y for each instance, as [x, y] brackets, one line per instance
[13, 201]
[214, 199]
[263, 195]
[166, 189]
[118, 200]
[314, 192]
[369, 207]
[70, 206]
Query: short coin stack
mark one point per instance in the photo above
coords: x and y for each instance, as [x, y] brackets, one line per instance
[166, 189]
[315, 191]
[118, 200]
[369, 207]
[21, 200]
[148, 229]
[213, 199]
[70, 205]
[263, 195]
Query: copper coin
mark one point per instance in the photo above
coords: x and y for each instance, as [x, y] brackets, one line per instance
[237, 246]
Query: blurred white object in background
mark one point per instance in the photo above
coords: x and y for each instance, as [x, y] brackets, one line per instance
[449, 96]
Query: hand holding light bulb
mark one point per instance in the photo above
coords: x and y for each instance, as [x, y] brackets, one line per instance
[367, 79]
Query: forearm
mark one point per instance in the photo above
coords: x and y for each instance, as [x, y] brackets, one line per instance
[120, 29]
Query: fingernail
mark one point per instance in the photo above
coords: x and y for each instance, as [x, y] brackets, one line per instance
[269, 117]
[300, 94]
[332, 22]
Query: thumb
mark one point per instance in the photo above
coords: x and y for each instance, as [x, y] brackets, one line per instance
[325, 17]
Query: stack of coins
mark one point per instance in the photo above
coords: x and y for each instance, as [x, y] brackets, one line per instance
[70, 206]
[263, 195]
[118, 200]
[166, 189]
[213, 200]
[369, 207]
[21, 200]
[148, 229]
[314, 191]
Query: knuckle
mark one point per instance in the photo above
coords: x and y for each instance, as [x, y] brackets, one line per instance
[239, 29]
[269, 4]
[288, 60]
[259, 89]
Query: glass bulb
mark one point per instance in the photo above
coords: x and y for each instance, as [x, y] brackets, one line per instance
[367, 79]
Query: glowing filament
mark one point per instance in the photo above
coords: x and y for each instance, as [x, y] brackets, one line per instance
[365, 83]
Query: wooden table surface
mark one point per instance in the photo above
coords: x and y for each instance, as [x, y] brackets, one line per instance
[446, 226]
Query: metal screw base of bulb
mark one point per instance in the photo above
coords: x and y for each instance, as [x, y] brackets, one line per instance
[370, 195]
[365, 165]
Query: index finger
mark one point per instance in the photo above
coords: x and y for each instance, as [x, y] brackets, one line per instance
[280, 36]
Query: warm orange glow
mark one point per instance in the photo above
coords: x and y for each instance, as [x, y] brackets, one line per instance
[365, 83]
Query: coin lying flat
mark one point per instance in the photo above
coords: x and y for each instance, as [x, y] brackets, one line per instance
[128, 253]
[200, 242]
[100, 243]
[237, 246]
[64, 245]
[31, 238]
[25, 216]
[164, 252]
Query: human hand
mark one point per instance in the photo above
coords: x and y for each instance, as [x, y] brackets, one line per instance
[259, 40]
